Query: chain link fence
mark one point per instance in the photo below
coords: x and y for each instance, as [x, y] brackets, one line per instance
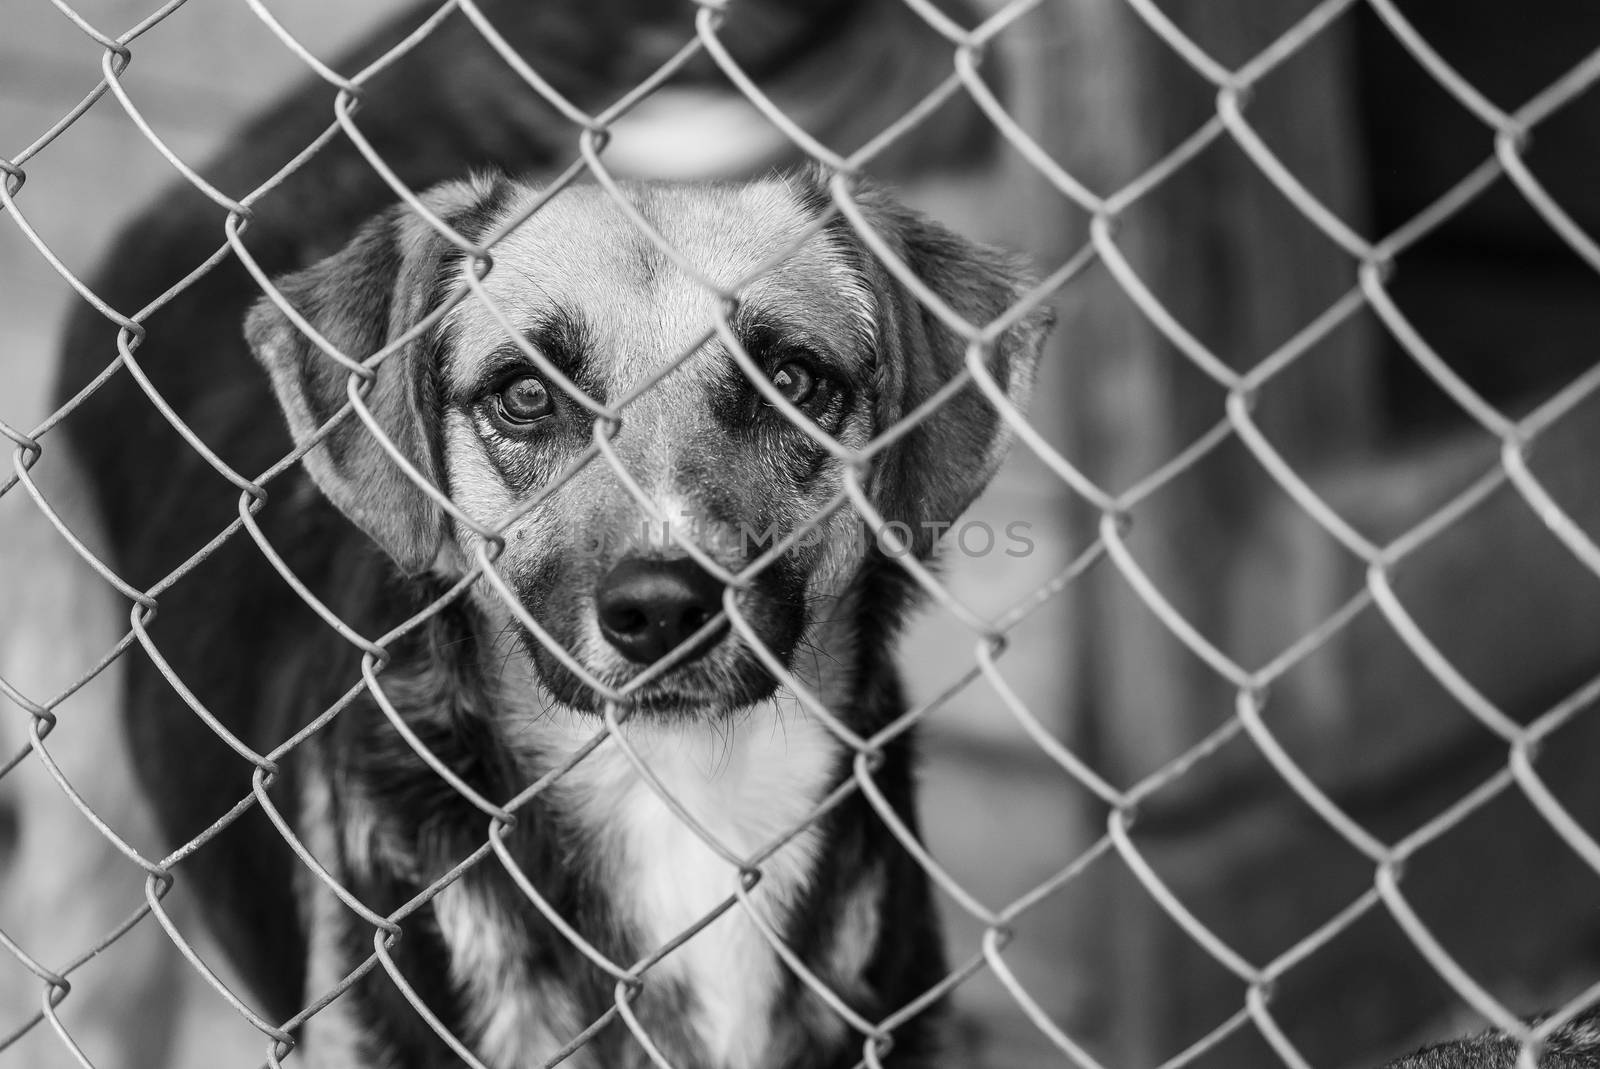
[1108, 553]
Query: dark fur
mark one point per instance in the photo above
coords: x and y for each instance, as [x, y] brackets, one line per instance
[1573, 1046]
[245, 644]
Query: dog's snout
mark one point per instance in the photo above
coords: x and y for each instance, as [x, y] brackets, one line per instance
[647, 608]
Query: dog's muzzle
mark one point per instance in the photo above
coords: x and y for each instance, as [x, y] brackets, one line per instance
[649, 607]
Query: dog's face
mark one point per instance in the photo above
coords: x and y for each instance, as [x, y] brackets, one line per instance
[595, 353]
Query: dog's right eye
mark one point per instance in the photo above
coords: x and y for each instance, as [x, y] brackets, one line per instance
[524, 400]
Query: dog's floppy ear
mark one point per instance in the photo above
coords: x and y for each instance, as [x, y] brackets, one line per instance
[933, 473]
[377, 287]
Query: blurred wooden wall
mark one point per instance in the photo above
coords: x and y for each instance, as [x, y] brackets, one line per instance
[1242, 270]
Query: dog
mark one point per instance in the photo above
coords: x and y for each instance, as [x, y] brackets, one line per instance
[848, 347]
[503, 703]
[446, 106]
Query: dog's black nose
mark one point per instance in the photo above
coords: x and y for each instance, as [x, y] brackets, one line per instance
[647, 608]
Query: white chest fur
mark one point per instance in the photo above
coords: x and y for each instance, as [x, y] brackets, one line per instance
[747, 785]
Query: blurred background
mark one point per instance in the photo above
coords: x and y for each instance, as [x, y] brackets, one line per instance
[1361, 401]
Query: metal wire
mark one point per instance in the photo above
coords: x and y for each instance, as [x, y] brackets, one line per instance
[1505, 138]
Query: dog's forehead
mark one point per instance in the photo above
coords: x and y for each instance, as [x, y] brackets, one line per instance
[581, 257]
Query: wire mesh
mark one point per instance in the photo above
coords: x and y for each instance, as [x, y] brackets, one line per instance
[1371, 263]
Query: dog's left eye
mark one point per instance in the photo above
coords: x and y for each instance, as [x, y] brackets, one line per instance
[797, 382]
[524, 400]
